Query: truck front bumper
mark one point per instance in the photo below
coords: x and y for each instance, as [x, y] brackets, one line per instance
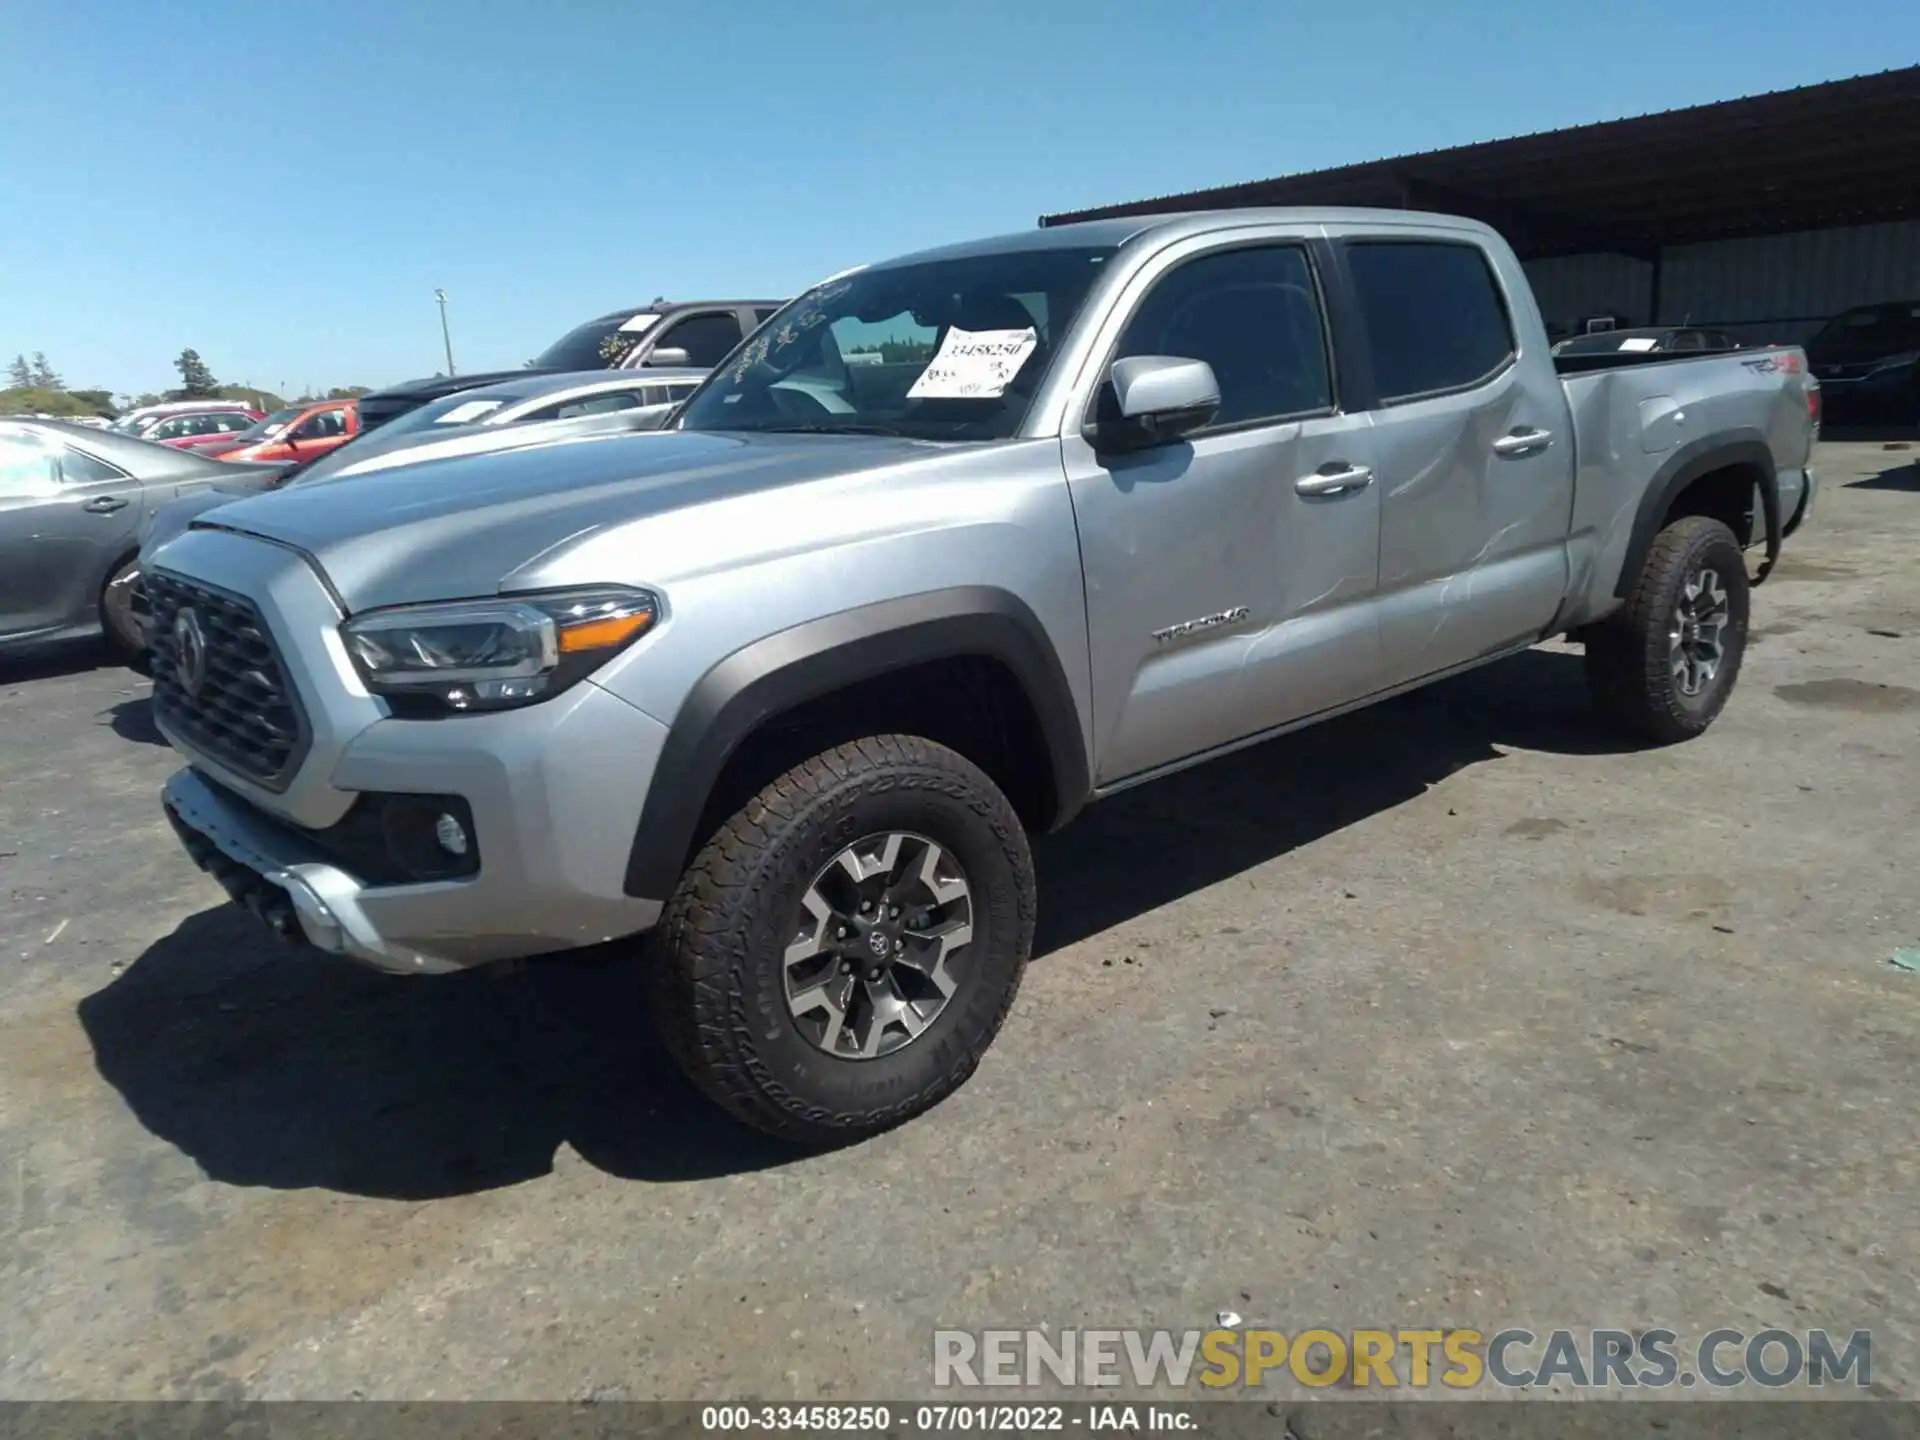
[554, 794]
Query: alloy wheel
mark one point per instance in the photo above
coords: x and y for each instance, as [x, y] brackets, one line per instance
[879, 945]
[1696, 639]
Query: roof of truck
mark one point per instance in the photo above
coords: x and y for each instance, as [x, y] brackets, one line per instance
[1118, 230]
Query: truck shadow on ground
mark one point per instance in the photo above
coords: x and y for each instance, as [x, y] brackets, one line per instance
[285, 1068]
[69, 657]
[1895, 477]
[133, 720]
[1145, 848]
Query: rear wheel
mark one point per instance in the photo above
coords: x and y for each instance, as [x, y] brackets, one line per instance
[841, 953]
[119, 615]
[1662, 667]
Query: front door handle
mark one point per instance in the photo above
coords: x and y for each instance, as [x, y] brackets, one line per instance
[1338, 478]
[1523, 442]
[104, 504]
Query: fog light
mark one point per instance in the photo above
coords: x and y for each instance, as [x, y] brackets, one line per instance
[451, 834]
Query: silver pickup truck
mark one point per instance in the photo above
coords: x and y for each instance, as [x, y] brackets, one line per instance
[949, 548]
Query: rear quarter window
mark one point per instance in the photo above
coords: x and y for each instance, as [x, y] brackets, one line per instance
[1434, 315]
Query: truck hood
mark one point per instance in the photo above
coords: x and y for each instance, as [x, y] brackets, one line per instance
[453, 529]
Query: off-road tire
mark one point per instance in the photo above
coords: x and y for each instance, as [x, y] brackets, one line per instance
[715, 975]
[1629, 658]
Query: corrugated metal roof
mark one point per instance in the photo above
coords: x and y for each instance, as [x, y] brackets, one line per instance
[1837, 153]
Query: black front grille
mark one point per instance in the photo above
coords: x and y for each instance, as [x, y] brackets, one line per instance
[243, 714]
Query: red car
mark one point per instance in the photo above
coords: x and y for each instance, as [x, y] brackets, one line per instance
[300, 432]
[202, 428]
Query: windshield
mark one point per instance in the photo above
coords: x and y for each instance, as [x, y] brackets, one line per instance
[1873, 326]
[596, 345]
[462, 409]
[939, 350]
[271, 426]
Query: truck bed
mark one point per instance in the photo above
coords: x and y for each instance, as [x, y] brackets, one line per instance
[1635, 417]
[1621, 359]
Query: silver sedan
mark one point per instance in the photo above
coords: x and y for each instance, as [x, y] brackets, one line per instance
[72, 500]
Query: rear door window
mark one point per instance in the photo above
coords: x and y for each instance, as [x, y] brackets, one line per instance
[26, 468]
[322, 425]
[79, 468]
[584, 405]
[1435, 319]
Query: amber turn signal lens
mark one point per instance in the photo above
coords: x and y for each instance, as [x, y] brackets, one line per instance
[604, 634]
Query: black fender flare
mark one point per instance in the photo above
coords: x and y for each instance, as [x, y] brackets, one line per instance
[819, 657]
[1742, 447]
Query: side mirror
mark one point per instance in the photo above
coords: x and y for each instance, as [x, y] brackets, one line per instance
[667, 355]
[1151, 399]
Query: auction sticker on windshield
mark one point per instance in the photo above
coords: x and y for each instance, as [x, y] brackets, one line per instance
[975, 364]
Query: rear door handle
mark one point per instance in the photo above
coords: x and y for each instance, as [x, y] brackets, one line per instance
[1342, 481]
[1523, 442]
[104, 504]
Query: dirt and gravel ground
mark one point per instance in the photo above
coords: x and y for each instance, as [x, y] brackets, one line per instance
[1450, 1013]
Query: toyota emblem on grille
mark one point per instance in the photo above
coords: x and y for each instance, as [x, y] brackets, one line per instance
[190, 651]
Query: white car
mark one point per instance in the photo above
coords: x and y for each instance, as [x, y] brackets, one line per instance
[537, 410]
[554, 406]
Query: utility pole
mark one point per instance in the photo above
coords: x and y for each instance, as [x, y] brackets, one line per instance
[440, 298]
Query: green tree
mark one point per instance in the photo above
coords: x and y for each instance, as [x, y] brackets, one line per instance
[34, 400]
[44, 377]
[251, 395]
[20, 374]
[196, 380]
[349, 392]
[99, 401]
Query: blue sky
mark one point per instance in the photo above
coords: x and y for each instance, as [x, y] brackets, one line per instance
[283, 187]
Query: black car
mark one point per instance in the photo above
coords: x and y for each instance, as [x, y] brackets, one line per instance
[1867, 361]
[666, 333]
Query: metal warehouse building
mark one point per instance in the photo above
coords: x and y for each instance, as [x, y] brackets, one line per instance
[1763, 216]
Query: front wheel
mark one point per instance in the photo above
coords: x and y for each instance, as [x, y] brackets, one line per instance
[1662, 667]
[843, 950]
[119, 615]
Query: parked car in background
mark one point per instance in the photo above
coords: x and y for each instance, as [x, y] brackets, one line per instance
[1868, 362]
[199, 428]
[72, 499]
[557, 405]
[791, 682]
[1647, 339]
[145, 418]
[531, 410]
[300, 432]
[664, 335]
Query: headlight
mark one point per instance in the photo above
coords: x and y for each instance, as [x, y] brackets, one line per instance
[495, 654]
